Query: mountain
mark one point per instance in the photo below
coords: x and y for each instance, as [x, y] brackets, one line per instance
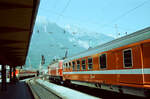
[52, 41]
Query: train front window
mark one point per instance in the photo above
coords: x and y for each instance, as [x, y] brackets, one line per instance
[78, 65]
[83, 65]
[102, 60]
[90, 63]
[73, 66]
[127, 55]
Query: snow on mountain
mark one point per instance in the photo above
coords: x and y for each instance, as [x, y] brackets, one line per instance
[52, 41]
[86, 38]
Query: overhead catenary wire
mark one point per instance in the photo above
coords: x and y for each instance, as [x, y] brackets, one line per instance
[56, 3]
[96, 23]
[63, 10]
[87, 21]
[129, 11]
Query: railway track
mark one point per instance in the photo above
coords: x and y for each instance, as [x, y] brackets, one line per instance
[40, 92]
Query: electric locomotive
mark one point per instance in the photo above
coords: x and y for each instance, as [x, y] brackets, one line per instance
[55, 71]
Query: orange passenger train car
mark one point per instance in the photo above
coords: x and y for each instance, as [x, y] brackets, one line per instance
[121, 65]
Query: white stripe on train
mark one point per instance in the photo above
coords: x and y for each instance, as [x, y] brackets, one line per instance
[123, 71]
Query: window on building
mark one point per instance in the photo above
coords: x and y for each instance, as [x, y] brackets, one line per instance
[102, 60]
[78, 64]
[127, 56]
[83, 65]
[73, 66]
[90, 63]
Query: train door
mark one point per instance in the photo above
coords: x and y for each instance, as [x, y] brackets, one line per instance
[118, 64]
[146, 62]
[131, 71]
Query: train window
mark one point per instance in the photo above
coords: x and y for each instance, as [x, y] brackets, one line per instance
[90, 63]
[69, 64]
[102, 60]
[78, 64]
[66, 65]
[83, 64]
[127, 56]
[73, 66]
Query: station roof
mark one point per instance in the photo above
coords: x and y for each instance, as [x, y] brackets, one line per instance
[17, 18]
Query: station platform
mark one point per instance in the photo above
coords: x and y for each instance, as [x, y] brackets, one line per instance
[39, 89]
[18, 90]
[63, 92]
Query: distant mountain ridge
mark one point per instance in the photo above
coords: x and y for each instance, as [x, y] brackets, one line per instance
[52, 41]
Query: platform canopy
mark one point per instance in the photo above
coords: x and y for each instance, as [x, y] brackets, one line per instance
[17, 19]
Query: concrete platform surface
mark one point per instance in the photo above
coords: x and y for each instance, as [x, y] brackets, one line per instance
[19, 90]
[64, 92]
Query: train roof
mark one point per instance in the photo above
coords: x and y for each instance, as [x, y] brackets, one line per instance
[54, 62]
[137, 36]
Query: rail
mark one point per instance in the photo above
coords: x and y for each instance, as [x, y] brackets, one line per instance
[40, 92]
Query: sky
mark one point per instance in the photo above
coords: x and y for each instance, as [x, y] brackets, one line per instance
[111, 17]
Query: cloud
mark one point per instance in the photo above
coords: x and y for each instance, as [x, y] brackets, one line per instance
[111, 35]
[68, 27]
[72, 39]
[83, 44]
[41, 19]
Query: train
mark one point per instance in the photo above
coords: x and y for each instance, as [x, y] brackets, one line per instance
[55, 71]
[23, 74]
[121, 65]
